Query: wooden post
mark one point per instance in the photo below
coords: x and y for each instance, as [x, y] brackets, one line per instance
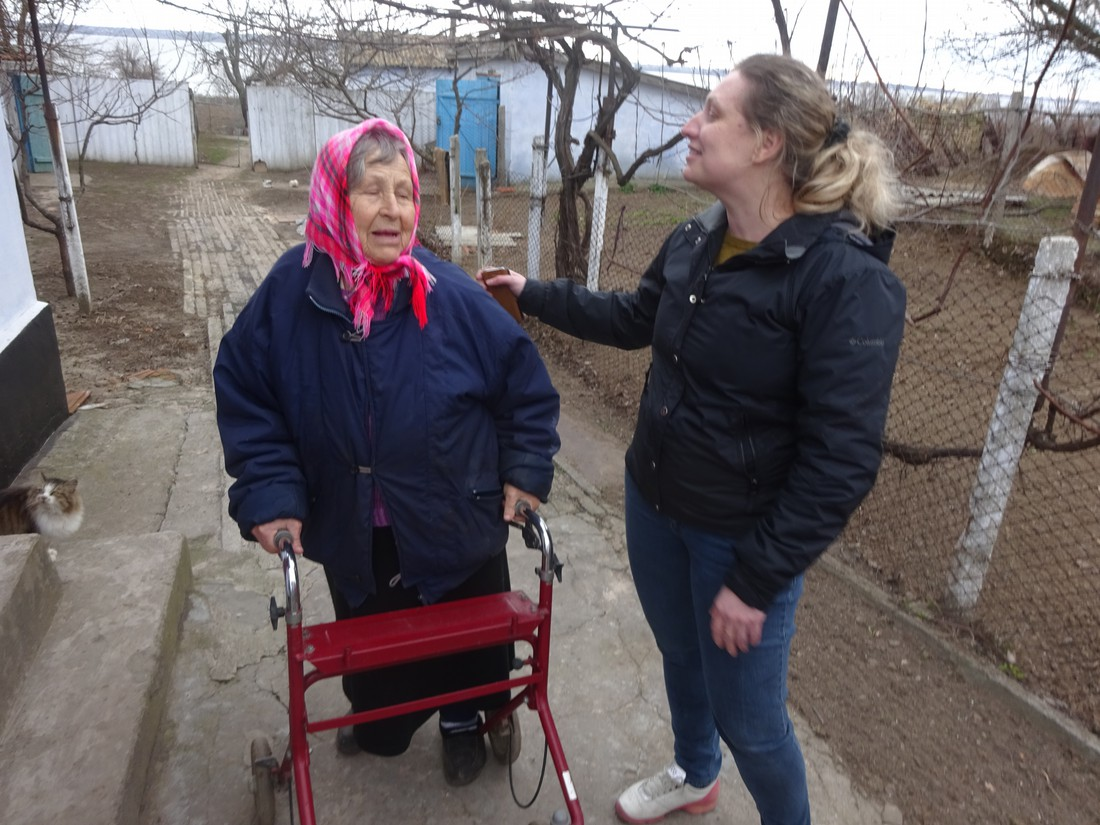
[1027, 362]
[484, 196]
[1013, 125]
[456, 202]
[442, 181]
[504, 175]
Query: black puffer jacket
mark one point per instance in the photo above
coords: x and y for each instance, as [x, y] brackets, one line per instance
[764, 406]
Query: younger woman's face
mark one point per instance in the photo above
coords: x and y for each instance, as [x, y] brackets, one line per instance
[383, 208]
[722, 145]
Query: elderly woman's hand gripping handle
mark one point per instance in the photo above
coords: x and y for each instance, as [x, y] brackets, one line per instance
[265, 534]
[512, 496]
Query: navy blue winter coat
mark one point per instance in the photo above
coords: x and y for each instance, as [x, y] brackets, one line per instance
[313, 419]
[765, 402]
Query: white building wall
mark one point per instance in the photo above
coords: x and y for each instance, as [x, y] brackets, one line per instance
[653, 115]
[278, 116]
[18, 303]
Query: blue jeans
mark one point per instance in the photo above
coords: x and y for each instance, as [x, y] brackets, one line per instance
[678, 570]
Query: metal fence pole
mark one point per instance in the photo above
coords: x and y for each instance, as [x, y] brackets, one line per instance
[1027, 362]
[534, 214]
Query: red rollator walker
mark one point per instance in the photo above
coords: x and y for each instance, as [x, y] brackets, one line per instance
[402, 636]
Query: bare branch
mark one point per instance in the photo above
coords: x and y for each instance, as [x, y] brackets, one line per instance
[882, 84]
[781, 24]
[1063, 407]
[622, 178]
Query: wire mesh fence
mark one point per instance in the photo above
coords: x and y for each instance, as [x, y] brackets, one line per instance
[1038, 614]
[966, 269]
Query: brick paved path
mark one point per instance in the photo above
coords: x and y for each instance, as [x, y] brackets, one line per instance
[226, 246]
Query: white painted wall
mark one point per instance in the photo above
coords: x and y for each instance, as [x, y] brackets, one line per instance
[161, 133]
[655, 113]
[18, 302]
[286, 128]
[280, 127]
[279, 134]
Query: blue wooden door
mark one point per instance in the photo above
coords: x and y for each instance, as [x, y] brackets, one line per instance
[29, 106]
[478, 127]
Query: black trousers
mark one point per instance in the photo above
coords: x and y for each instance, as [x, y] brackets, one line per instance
[417, 680]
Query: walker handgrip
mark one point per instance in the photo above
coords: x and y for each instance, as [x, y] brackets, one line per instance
[284, 540]
[536, 535]
[293, 612]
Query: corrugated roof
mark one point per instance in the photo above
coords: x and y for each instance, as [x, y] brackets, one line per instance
[397, 50]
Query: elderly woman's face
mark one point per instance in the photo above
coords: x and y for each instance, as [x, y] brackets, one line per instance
[383, 208]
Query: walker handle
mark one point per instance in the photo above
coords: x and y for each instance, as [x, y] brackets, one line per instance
[536, 535]
[293, 610]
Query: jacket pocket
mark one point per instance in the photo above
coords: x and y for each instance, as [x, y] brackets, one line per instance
[737, 449]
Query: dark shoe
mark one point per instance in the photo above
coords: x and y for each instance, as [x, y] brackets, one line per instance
[346, 744]
[463, 757]
[506, 739]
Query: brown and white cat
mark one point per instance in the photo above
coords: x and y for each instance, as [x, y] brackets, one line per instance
[53, 508]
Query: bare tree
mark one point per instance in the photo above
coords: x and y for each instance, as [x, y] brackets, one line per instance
[128, 61]
[1050, 21]
[341, 53]
[96, 85]
[97, 98]
[256, 45]
[20, 53]
[55, 19]
[360, 60]
[1038, 28]
[563, 41]
[781, 26]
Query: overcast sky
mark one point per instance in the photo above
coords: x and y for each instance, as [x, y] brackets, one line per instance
[905, 38]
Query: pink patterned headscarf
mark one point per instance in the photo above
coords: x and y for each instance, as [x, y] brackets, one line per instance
[330, 227]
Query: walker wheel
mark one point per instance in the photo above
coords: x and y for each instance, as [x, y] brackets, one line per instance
[263, 781]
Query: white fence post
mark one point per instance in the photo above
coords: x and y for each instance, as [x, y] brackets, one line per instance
[456, 202]
[70, 226]
[484, 195]
[599, 222]
[1027, 362]
[534, 212]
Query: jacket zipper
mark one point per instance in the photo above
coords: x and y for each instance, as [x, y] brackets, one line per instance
[353, 336]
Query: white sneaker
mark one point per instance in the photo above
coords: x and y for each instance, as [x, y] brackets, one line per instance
[652, 799]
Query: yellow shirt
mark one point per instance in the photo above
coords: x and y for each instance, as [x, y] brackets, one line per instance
[731, 245]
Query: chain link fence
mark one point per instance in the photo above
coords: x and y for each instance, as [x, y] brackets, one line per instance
[1036, 614]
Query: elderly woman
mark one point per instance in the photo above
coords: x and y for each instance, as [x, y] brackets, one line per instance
[774, 326]
[376, 403]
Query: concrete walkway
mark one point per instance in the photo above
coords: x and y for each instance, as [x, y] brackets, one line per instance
[158, 454]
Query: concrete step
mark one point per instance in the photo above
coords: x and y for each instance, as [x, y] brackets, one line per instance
[84, 717]
[29, 591]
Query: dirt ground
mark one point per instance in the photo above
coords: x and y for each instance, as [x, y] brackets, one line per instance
[901, 715]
